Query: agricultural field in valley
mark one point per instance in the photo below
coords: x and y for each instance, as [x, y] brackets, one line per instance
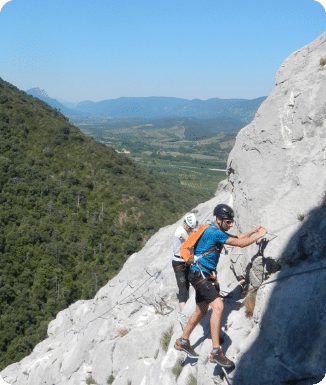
[193, 151]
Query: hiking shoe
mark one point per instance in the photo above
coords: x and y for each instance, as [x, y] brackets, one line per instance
[220, 359]
[185, 347]
[183, 319]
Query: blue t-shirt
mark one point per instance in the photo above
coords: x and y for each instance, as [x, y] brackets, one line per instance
[210, 237]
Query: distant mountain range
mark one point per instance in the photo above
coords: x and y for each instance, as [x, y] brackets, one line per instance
[158, 107]
[41, 94]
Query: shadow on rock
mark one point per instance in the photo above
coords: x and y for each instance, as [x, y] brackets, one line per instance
[290, 347]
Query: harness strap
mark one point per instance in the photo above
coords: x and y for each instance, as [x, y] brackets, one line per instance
[195, 258]
[217, 247]
[202, 281]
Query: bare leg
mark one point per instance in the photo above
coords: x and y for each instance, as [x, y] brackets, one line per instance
[215, 322]
[217, 356]
[200, 312]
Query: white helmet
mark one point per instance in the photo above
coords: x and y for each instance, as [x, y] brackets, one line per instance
[191, 220]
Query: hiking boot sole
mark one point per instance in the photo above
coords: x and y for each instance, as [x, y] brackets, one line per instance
[184, 350]
[228, 366]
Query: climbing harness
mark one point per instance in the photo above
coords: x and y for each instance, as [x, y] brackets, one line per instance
[198, 257]
[202, 281]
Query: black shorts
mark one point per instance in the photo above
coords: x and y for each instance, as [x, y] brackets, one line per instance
[181, 270]
[207, 292]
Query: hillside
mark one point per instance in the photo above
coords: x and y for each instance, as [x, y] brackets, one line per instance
[72, 211]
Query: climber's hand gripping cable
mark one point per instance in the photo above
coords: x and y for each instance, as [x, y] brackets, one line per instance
[247, 238]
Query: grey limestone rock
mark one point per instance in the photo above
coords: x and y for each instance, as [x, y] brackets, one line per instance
[277, 166]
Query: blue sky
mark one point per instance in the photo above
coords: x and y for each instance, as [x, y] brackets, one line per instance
[105, 49]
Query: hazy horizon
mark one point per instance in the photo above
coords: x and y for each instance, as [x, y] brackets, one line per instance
[150, 96]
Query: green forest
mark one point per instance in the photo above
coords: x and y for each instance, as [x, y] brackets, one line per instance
[72, 210]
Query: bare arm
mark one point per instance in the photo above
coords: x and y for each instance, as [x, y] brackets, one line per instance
[244, 240]
[249, 233]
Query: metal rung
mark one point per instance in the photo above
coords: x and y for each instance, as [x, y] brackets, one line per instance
[227, 377]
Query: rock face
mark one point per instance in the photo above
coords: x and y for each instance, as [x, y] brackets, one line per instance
[276, 168]
[277, 178]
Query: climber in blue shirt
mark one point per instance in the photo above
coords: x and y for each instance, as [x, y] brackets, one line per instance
[207, 253]
[212, 239]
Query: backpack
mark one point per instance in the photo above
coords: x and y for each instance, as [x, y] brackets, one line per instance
[187, 249]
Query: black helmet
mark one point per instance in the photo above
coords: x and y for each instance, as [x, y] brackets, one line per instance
[223, 212]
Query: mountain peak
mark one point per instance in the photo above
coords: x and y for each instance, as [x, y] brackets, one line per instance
[37, 91]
